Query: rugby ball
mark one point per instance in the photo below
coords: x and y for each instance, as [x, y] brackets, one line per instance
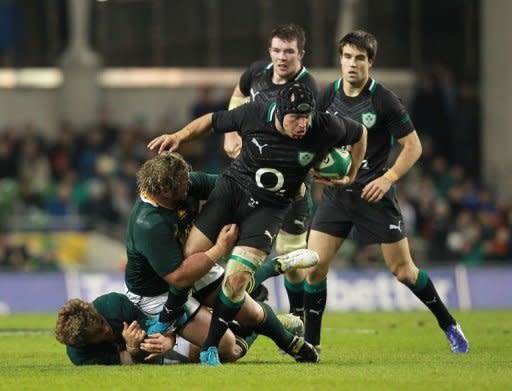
[334, 165]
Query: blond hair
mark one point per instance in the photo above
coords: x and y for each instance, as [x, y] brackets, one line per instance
[78, 322]
[161, 174]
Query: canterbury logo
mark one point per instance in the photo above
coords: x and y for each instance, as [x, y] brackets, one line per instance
[260, 147]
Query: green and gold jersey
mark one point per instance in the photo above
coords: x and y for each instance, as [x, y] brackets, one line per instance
[155, 236]
[115, 308]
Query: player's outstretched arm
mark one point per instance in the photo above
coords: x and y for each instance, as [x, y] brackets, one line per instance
[195, 129]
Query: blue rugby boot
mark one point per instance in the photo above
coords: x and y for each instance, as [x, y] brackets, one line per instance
[210, 357]
[458, 342]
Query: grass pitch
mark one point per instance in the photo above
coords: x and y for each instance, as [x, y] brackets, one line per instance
[360, 351]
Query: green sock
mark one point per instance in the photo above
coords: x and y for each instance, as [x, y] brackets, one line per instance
[175, 300]
[425, 290]
[224, 311]
[273, 328]
[315, 298]
[268, 269]
[295, 293]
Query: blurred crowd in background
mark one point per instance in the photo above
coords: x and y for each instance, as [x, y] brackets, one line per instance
[84, 179]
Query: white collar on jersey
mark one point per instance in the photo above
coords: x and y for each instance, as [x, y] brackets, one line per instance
[148, 201]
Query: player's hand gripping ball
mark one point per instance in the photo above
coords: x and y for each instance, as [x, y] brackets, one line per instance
[335, 165]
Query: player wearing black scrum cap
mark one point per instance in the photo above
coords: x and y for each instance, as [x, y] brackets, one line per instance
[261, 82]
[281, 142]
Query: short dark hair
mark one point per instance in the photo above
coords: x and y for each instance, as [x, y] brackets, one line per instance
[290, 32]
[362, 40]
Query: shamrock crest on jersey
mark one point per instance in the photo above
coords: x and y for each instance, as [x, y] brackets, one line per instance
[368, 119]
[305, 158]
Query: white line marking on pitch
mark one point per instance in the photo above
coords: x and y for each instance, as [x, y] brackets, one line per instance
[22, 333]
[351, 331]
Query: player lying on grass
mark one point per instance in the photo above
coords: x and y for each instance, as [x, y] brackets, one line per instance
[111, 330]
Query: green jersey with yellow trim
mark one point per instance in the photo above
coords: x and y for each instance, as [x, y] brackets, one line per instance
[155, 237]
[116, 309]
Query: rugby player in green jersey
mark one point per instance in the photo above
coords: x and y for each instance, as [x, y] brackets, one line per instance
[111, 331]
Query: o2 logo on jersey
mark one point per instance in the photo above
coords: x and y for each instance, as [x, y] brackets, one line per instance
[368, 119]
[277, 184]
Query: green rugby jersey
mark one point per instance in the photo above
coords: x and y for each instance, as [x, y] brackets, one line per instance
[155, 236]
[115, 308]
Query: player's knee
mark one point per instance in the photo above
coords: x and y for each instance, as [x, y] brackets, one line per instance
[233, 286]
[405, 273]
[239, 273]
[239, 281]
[295, 275]
[287, 242]
[228, 349]
[317, 273]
